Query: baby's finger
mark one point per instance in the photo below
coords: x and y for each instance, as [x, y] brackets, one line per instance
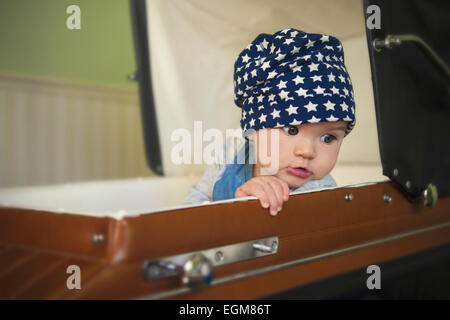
[278, 192]
[271, 195]
[240, 193]
[256, 190]
[286, 190]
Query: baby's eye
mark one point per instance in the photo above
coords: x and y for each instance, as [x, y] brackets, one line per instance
[327, 138]
[290, 130]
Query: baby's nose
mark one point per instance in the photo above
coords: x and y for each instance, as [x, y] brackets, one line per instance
[304, 149]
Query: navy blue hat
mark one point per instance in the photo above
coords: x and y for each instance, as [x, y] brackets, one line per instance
[290, 78]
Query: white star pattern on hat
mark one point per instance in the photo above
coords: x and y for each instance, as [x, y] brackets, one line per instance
[319, 90]
[265, 43]
[314, 120]
[347, 118]
[262, 118]
[303, 93]
[288, 41]
[331, 118]
[280, 57]
[325, 38]
[295, 50]
[272, 74]
[344, 106]
[313, 67]
[335, 90]
[298, 79]
[331, 77]
[329, 105]
[265, 65]
[272, 48]
[284, 94]
[297, 69]
[292, 109]
[275, 114]
[282, 84]
[311, 106]
[245, 58]
[306, 57]
[310, 44]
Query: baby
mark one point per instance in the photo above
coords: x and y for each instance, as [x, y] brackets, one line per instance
[297, 106]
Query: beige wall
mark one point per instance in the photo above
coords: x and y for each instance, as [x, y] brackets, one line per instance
[359, 158]
[361, 145]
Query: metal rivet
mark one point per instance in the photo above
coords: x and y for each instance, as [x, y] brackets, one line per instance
[430, 196]
[349, 197]
[375, 45]
[98, 238]
[274, 246]
[408, 184]
[387, 198]
[395, 172]
[219, 256]
[153, 271]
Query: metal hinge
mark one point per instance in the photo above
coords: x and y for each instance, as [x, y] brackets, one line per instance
[196, 268]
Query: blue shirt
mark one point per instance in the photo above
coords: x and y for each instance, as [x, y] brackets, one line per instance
[235, 175]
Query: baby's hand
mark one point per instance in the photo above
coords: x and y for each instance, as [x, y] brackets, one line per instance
[271, 192]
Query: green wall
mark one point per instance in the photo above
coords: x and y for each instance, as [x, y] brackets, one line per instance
[34, 40]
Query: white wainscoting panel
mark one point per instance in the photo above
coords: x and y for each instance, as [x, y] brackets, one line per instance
[55, 132]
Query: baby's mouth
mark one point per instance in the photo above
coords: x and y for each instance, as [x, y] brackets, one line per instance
[299, 172]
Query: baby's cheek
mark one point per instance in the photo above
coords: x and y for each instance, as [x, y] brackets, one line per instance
[330, 160]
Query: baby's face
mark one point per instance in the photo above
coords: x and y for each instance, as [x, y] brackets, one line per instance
[305, 152]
